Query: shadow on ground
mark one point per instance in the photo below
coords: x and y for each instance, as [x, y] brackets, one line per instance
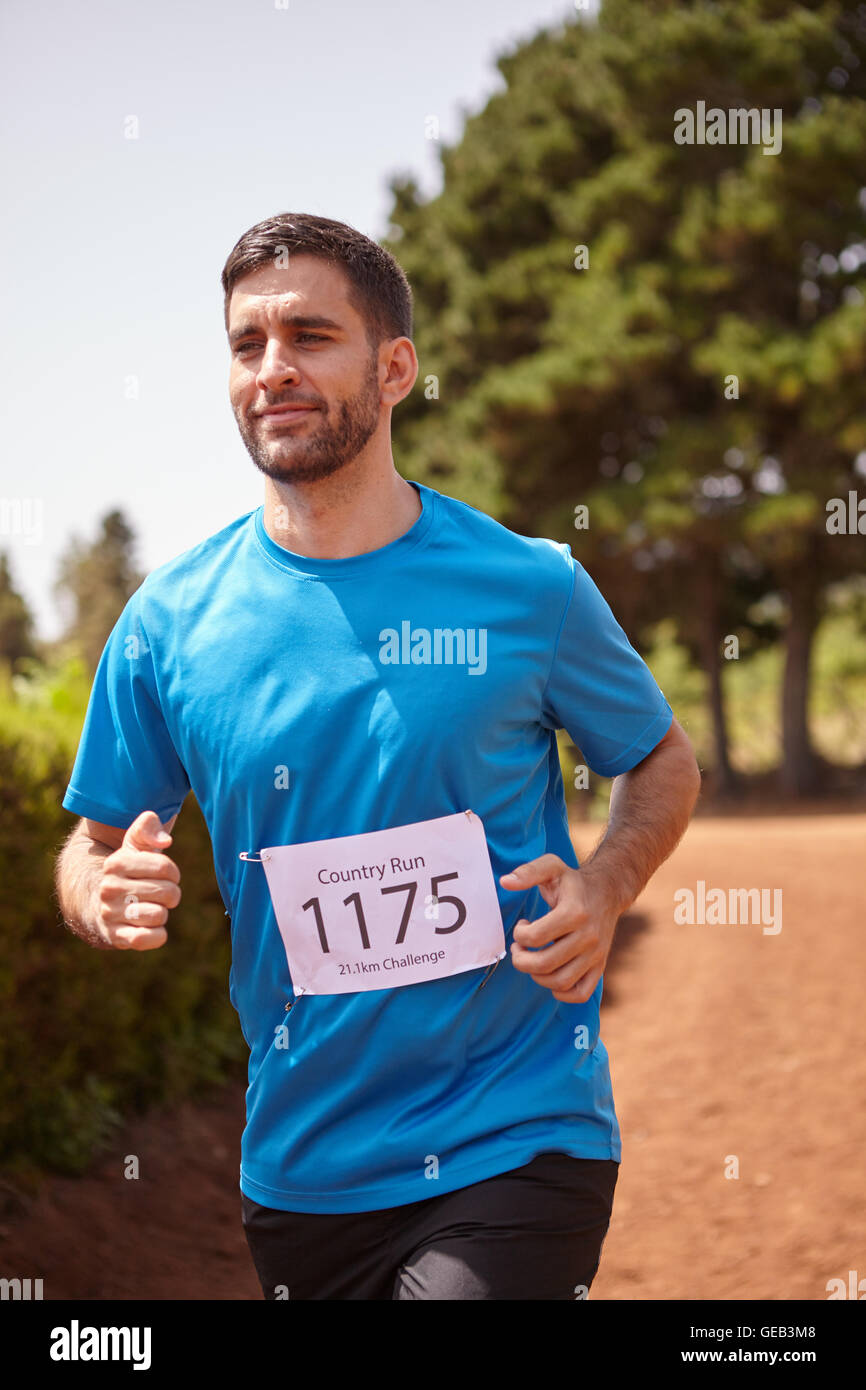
[628, 932]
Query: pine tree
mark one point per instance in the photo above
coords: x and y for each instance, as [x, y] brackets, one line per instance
[16, 621]
[694, 376]
[94, 582]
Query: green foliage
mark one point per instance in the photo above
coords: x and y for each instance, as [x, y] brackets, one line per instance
[90, 1036]
[750, 686]
[839, 693]
[94, 581]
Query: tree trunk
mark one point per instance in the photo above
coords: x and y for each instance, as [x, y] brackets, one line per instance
[798, 774]
[709, 638]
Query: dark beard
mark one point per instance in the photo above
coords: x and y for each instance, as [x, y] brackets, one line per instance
[332, 446]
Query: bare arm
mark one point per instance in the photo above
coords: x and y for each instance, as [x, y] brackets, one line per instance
[566, 949]
[115, 886]
[650, 808]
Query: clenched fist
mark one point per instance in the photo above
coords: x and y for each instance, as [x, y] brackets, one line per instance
[138, 886]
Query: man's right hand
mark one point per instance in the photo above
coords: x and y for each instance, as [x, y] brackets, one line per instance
[139, 885]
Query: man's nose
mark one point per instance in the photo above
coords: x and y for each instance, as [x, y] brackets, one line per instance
[277, 365]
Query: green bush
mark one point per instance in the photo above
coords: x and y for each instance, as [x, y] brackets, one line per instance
[90, 1037]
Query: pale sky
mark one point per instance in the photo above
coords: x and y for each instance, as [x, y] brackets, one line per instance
[113, 247]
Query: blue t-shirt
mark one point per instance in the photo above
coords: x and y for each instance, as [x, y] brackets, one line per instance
[283, 691]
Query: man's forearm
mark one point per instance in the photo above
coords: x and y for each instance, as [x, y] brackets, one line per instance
[77, 877]
[650, 807]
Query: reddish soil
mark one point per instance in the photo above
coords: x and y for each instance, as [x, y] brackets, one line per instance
[726, 1043]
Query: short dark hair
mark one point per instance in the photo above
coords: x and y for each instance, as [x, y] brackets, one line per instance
[379, 289]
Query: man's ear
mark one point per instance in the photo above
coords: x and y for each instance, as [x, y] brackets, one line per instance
[402, 371]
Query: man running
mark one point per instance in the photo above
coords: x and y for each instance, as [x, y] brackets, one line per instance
[361, 681]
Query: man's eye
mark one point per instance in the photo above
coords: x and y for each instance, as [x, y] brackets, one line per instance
[315, 337]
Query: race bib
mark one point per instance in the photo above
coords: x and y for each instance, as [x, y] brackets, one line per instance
[389, 907]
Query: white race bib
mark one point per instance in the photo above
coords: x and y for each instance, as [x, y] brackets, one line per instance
[390, 907]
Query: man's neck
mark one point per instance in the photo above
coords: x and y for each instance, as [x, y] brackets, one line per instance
[344, 515]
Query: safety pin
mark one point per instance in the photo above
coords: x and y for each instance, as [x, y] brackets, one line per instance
[490, 970]
[289, 1007]
[251, 858]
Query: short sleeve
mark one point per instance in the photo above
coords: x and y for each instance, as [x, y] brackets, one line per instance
[599, 690]
[126, 761]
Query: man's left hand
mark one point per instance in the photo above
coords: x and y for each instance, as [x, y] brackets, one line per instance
[579, 927]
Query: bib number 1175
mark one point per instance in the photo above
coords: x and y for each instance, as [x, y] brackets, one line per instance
[431, 910]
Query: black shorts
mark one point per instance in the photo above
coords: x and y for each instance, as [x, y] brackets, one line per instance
[535, 1232]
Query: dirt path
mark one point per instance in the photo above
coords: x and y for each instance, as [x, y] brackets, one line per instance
[725, 1042]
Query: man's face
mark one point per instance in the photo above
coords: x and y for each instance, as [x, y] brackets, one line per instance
[295, 340]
